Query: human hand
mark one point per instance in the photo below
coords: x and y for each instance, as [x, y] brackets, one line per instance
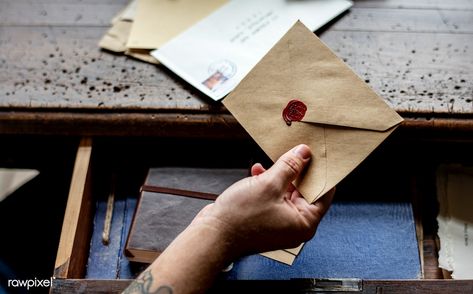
[261, 213]
[265, 212]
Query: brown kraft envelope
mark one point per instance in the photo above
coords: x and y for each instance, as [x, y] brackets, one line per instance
[344, 120]
[158, 21]
[116, 37]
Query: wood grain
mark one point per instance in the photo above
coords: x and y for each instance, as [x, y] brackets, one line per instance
[73, 246]
[420, 4]
[414, 54]
[190, 125]
[414, 72]
[428, 73]
[64, 68]
[74, 13]
[288, 286]
[430, 250]
[406, 20]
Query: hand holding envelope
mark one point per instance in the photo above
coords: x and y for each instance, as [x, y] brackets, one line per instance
[344, 119]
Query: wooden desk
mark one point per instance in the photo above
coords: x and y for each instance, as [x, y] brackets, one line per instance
[55, 80]
[398, 171]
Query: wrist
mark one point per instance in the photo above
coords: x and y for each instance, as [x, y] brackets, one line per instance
[223, 239]
[197, 255]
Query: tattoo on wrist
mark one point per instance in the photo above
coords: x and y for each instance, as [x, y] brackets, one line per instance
[142, 285]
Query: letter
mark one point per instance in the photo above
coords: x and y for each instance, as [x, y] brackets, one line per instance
[31, 283]
[39, 283]
[22, 283]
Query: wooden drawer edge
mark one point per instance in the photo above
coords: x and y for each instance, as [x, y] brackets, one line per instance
[282, 286]
[73, 247]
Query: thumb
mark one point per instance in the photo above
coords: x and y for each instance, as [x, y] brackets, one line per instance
[290, 165]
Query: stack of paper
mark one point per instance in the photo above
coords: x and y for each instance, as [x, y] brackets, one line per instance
[212, 44]
[145, 25]
[455, 220]
[216, 54]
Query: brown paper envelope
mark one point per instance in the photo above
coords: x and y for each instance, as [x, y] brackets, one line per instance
[295, 250]
[127, 13]
[157, 21]
[115, 40]
[286, 256]
[142, 54]
[345, 120]
[116, 37]
[281, 256]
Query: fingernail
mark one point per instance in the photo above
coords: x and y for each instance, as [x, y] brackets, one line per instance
[303, 151]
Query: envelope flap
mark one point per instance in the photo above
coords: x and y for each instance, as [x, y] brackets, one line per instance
[301, 69]
[359, 117]
[331, 91]
[257, 104]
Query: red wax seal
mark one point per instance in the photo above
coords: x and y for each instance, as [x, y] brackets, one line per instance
[294, 111]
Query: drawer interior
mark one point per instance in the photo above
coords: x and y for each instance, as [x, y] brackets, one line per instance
[401, 169]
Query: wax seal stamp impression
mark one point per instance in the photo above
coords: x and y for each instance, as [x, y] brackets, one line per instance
[294, 111]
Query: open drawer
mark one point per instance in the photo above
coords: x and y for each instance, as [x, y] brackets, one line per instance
[402, 168]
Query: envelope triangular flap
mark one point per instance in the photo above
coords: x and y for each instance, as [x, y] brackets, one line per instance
[257, 103]
[289, 71]
[332, 92]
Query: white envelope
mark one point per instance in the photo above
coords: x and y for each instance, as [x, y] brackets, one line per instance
[216, 54]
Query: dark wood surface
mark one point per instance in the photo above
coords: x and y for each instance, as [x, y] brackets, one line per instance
[55, 79]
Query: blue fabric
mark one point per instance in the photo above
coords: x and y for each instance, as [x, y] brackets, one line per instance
[109, 261]
[102, 263]
[354, 240]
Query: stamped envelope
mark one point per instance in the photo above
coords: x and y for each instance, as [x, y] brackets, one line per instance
[301, 92]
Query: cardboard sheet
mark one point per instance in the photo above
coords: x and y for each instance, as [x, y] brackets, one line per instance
[455, 220]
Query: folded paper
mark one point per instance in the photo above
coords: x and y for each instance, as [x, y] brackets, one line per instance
[158, 21]
[116, 37]
[286, 256]
[342, 122]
